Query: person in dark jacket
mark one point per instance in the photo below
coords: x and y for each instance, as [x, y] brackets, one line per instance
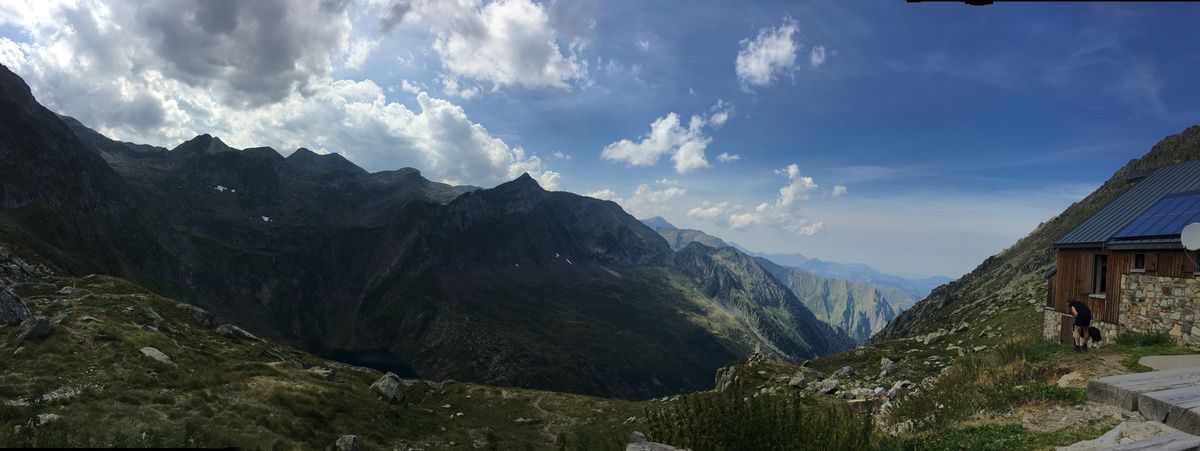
[1083, 319]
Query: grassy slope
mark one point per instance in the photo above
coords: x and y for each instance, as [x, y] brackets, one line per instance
[247, 393]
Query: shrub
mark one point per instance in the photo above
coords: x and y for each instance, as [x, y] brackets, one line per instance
[723, 421]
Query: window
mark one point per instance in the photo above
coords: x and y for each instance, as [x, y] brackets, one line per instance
[1099, 273]
[1139, 261]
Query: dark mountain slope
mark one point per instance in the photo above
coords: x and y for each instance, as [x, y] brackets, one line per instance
[1015, 274]
[511, 285]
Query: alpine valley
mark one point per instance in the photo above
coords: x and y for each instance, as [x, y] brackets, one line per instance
[513, 285]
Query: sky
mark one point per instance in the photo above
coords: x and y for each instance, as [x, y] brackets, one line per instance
[915, 138]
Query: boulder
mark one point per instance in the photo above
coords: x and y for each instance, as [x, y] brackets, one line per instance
[390, 388]
[962, 327]
[899, 388]
[155, 354]
[346, 443]
[638, 442]
[156, 320]
[12, 309]
[827, 386]
[933, 337]
[231, 331]
[34, 328]
[202, 316]
[886, 366]
[726, 378]
[325, 373]
[44, 419]
[844, 371]
[72, 291]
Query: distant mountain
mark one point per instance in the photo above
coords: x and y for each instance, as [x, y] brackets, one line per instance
[512, 285]
[857, 272]
[656, 222]
[859, 309]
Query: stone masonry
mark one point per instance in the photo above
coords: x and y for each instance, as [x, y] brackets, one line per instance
[1161, 304]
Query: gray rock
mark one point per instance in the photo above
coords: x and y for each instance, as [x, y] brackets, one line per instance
[47, 418]
[726, 378]
[325, 373]
[34, 328]
[900, 388]
[202, 316]
[886, 365]
[12, 309]
[391, 388]
[155, 354]
[346, 443]
[72, 291]
[962, 327]
[844, 371]
[638, 442]
[157, 321]
[827, 386]
[526, 421]
[229, 330]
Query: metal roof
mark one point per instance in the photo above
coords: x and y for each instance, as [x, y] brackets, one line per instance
[1099, 228]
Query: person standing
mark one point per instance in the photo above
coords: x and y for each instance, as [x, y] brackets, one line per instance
[1083, 319]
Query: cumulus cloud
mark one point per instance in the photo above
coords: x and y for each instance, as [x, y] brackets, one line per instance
[838, 191]
[770, 54]
[124, 71]
[782, 214]
[645, 201]
[816, 56]
[560, 156]
[359, 50]
[511, 42]
[668, 182]
[726, 157]
[798, 185]
[709, 210]
[668, 135]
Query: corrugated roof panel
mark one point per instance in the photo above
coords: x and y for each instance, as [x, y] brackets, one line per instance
[1112, 218]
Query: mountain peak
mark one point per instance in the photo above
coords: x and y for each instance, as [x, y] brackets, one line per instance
[205, 143]
[657, 222]
[525, 183]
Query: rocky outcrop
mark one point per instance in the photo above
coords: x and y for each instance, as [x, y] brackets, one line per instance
[13, 310]
[390, 388]
[34, 328]
[155, 354]
[231, 331]
[346, 443]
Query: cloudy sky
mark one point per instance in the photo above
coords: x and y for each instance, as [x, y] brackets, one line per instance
[918, 139]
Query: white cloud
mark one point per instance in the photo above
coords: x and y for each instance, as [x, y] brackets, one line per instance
[816, 57]
[511, 42]
[605, 194]
[686, 145]
[838, 191]
[709, 210]
[726, 157]
[451, 88]
[410, 87]
[109, 69]
[643, 44]
[770, 54]
[781, 215]
[798, 186]
[359, 50]
[560, 156]
[667, 182]
[645, 201]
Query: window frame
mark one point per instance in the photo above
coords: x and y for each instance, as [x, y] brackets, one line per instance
[1100, 274]
[1136, 266]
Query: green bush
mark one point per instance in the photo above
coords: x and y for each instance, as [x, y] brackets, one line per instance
[723, 421]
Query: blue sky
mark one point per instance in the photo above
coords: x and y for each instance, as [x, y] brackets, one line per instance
[924, 137]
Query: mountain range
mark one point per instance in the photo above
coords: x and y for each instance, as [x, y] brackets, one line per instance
[512, 285]
[859, 309]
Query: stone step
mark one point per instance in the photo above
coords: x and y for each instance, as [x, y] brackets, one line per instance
[1123, 390]
[1178, 441]
[1178, 408]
